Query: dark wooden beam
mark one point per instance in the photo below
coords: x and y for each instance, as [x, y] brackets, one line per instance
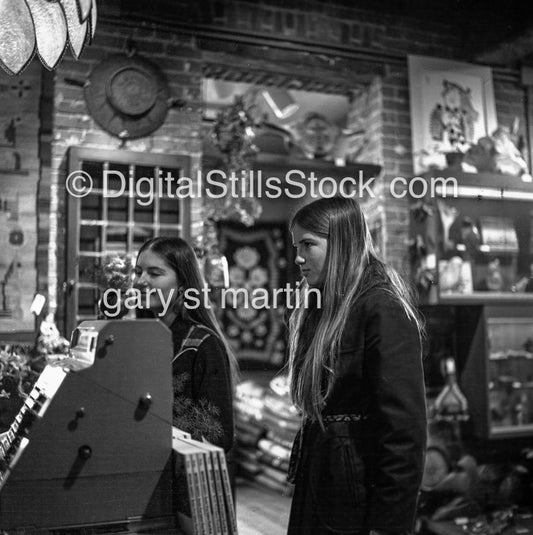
[296, 70]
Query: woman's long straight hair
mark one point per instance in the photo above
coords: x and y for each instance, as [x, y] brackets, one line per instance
[352, 268]
[180, 257]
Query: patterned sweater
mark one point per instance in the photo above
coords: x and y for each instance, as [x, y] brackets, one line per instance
[202, 386]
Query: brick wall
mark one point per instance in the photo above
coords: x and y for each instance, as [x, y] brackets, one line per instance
[19, 182]
[179, 58]
[383, 39]
[383, 109]
[334, 24]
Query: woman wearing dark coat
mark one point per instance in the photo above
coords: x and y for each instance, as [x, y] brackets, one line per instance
[356, 375]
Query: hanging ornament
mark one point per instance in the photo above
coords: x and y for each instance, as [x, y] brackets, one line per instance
[233, 134]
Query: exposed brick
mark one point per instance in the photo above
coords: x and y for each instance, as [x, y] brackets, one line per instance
[389, 92]
[357, 33]
[79, 70]
[301, 24]
[244, 17]
[385, 116]
[266, 19]
[218, 10]
[63, 120]
[406, 169]
[143, 32]
[180, 51]
[278, 22]
[103, 40]
[147, 48]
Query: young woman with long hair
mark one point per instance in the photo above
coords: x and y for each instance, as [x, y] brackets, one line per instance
[204, 367]
[356, 375]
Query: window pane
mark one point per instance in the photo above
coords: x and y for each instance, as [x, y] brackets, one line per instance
[140, 235]
[95, 171]
[90, 238]
[118, 178]
[117, 239]
[91, 207]
[145, 190]
[117, 209]
[169, 211]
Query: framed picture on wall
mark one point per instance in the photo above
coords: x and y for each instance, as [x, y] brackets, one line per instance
[452, 106]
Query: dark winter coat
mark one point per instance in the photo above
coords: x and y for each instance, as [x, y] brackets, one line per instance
[364, 473]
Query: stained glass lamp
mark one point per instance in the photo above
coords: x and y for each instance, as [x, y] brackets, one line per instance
[43, 27]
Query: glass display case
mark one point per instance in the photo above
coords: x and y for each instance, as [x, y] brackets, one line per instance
[472, 238]
[492, 347]
[472, 261]
[497, 378]
[510, 374]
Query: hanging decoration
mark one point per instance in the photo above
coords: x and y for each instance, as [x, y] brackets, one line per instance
[233, 134]
[43, 27]
[128, 95]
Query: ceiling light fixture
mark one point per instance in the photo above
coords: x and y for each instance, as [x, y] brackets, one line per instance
[44, 27]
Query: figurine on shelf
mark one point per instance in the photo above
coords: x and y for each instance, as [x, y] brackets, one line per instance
[450, 274]
[465, 237]
[529, 285]
[494, 281]
[455, 275]
[470, 237]
[450, 404]
[498, 153]
[50, 343]
[525, 284]
[507, 157]
[448, 214]
[318, 137]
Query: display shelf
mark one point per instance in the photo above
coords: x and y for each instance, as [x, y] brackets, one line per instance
[499, 390]
[512, 431]
[485, 185]
[474, 243]
[480, 298]
[504, 355]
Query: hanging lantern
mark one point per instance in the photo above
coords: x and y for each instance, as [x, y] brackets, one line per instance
[44, 27]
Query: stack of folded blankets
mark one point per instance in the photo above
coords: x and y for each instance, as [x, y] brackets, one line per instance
[266, 423]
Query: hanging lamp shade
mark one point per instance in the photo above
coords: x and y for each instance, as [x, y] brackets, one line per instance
[43, 27]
